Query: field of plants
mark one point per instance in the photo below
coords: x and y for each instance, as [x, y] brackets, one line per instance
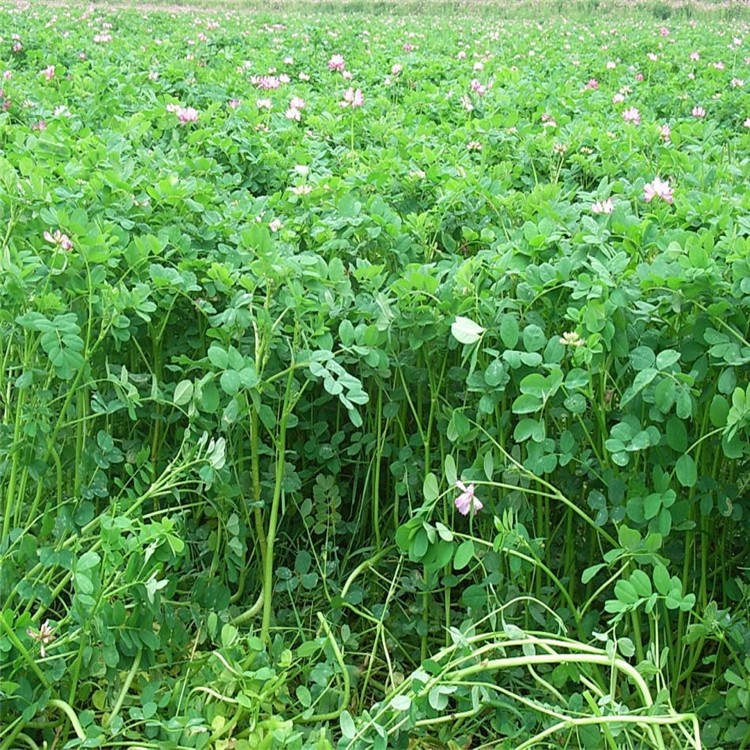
[374, 381]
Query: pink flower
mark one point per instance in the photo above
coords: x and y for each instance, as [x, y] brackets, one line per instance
[235, 103]
[353, 98]
[478, 88]
[17, 47]
[719, 65]
[467, 501]
[639, 76]
[408, 47]
[49, 72]
[698, 112]
[603, 207]
[336, 63]
[618, 98]
[737, 83]
[396, 69]
[694, 56]
[265, 83]
[59, 239]
[592, 84]
[297, 103]
[41, 125]
[187, 114]
[632, 115]
[461, 55]
[293, 114]
[665, 132]
[7, 75]
[664, 31]
[657, 189]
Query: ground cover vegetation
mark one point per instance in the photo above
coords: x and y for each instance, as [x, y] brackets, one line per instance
[373, 385]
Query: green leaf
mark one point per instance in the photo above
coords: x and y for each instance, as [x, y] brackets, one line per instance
[451, 472]
[348, 729]
[230, 382]
[466, 331]
[534, 339]
[661, 579]
[686, 470]
[718, 411]
[464, 553]
[667, 358]
[401, 702]
[430, 488]
[527, 403]
[509, 331]
[489, 465]
[641, 583]
[87, 561]
[218, 356]
[642, 357]
[591, 571]
[183, 392]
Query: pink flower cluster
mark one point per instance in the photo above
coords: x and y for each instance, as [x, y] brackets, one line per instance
[352, 98]
[657, 189]
[632, 115]
[337, 63]
[294, 112]
[59, 239]
[184, 114]
[265, 83]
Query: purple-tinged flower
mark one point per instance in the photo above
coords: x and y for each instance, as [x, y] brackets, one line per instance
[632, 115]
[657, 189]
[187, 114]
[337, 63]
[467, 502]
[49, 72]
[59, 239]
[352, 98]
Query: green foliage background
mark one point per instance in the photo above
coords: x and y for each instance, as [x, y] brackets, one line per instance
[229, 447]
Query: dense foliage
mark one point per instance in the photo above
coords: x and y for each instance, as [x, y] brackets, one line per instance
[284, 301]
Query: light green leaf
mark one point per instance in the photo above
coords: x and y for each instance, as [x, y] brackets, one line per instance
[466, 331]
